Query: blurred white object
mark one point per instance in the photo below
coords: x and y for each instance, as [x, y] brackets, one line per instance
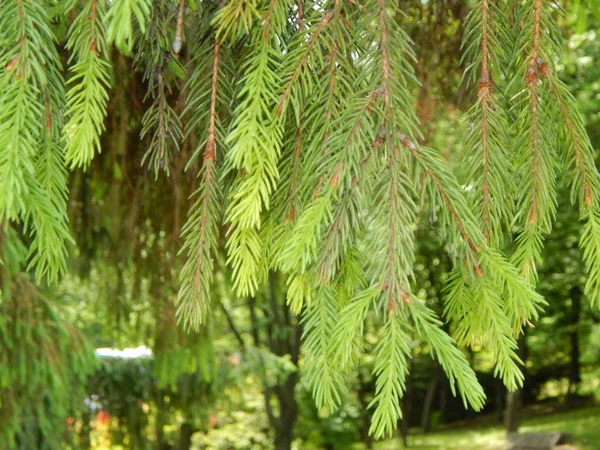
[139, 352]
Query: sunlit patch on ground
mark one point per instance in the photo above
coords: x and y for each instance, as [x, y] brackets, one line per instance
[582, 424]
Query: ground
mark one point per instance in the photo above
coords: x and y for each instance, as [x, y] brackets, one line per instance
[582, 424]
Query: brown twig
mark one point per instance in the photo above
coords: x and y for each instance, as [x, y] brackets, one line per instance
[531, 80]
[385, 60]
[178, 41]
[484, 92]
[300, 7]
[209, 162]
[544, 71]
[210, 151]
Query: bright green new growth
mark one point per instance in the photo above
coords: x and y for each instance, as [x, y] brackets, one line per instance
[89, 83]
[33, 182]
[312, 164]
[120, 23]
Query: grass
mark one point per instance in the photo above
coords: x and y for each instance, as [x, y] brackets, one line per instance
[583, 424]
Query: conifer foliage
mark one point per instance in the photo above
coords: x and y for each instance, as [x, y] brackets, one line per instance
[312, 164]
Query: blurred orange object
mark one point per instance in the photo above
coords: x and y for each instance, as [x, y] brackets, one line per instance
[103, 416]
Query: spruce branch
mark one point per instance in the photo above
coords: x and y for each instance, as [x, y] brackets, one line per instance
[350, 326]
[120, 22]
[447, 189]
[590, 244]
[393, 238]
[298, 62]
[32, 174]
[200, 233]
[48, 200]
[255, 139]
[393, 58]
[507, 299]
[444, 349]
[155, 60]
[88, 93]
[300, 16]
[488, 163]
[21, 113]
[584, 177]
[537, 196]
[391, 368]
[236, 19]
[336, 172]
[162, 123]
[322, 376]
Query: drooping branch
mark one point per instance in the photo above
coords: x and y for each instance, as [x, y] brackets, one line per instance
[537, 199]
[88, 95]
[292, 79]
[473, 246]
[201, 230]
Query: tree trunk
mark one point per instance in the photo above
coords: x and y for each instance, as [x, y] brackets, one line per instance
[443, 401]
[429, 397]
[283, 437]
[514, 400]
[574, 366]
[365, 418]
[280, 333]
[288, 413]
[161, 420]
[186, 431]
[514, 407]
[500, 397]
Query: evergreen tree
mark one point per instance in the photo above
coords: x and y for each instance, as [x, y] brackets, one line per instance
[312, 164]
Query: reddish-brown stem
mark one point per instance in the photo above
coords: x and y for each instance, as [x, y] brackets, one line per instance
[385, 60]
[12, 63]
[209, 162]
[536, 33]
[327, 249]
[545, 73]
[202, 228]
[336, 6]
[367, 109]
[48, 115]
[300, 7]
[532, 84]
[290, 215]
[484, 41]
[92, 19]
[211, 151]
[392, 244]
[331, 84]
[484, 93]
[267, 17]
[179, 30]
